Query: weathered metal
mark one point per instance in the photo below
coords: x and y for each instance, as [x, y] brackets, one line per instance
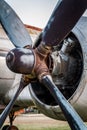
[76, 90]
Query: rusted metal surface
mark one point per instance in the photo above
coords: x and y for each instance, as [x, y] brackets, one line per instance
[78, 97]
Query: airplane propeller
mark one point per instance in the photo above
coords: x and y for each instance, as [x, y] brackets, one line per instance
[8, 108]
[13, 26]
[34, 67]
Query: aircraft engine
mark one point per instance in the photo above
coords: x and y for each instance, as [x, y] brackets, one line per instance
[68, 67]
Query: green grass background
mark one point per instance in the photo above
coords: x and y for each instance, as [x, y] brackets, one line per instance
[28, 127]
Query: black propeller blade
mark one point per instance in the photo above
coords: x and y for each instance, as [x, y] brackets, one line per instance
[63, 19]
[72, 117]
[8, 108]
[13, 26]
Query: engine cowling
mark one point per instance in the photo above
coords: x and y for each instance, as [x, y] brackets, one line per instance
[68, 66]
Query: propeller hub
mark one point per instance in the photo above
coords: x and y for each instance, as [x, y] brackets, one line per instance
[20, 60]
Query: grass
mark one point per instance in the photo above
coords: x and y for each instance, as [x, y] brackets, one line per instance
[28, 127]
[39, 122]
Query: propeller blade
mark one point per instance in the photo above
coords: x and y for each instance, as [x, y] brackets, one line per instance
[8, 108]
[13, 26]
[72, 117]
[62, 21]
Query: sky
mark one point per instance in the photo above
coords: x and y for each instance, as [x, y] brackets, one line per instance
[33, 12]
